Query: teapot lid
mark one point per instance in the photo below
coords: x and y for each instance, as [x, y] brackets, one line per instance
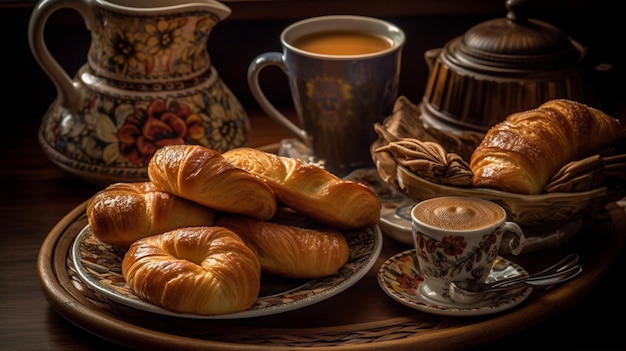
[515, 45]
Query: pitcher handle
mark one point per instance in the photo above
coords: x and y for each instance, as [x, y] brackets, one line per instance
[260, 62]
[67, 93]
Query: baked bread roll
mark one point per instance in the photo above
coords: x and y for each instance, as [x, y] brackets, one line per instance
[202, 175]
[197, 270]
[311, 190]
[124, 212]
[522, 153]
[293, 250]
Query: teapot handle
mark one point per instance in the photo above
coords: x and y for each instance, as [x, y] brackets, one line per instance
[430, 56]
[67, 93]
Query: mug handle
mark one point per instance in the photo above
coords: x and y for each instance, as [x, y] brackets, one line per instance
[516, 243]
[260, 62]
[66, 92]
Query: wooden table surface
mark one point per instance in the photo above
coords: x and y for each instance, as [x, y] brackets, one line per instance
[36, 195]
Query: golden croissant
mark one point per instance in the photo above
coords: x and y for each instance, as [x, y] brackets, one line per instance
[202, 175]
[124, 212]
[291, 249]
[311, 190]
[198, 270]
[522, 153]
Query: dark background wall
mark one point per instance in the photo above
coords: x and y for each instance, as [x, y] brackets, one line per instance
[254, 27]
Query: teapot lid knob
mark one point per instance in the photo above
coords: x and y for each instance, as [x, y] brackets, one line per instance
[518, 10]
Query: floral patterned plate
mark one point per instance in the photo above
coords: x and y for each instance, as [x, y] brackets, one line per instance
[99, 266]
[400, 278]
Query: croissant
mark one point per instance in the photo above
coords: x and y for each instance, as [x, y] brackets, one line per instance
[289, 249]
[202, 175]
[311, 190]
[523, 152]
[197, 270]
[124, 212]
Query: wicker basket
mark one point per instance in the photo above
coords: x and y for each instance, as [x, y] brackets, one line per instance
[549, 209]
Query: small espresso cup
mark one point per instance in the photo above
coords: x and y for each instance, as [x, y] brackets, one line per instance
[458, 238]
[343, 74]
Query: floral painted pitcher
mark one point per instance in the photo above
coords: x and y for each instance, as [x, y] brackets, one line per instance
[148, 82]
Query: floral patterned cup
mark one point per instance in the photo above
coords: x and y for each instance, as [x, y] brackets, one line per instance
[458, 238]
[148, 82]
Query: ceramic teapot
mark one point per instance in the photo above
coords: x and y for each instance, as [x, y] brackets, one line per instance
[502, 66]
[148, 82]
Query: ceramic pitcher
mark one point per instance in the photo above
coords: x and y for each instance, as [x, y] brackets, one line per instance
[148, 82]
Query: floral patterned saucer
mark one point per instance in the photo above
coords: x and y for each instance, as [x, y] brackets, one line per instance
[99, 266]
[400, 278]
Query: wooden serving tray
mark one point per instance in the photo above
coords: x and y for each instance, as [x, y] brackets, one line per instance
[361, 318]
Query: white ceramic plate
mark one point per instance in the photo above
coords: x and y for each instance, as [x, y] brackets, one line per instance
[400, 278]
[99, 266]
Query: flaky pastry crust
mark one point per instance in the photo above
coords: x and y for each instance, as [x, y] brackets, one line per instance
[293, 250]
[124, 212]
[203, 175]
[197, 270]
[311, 190]
[522, 153]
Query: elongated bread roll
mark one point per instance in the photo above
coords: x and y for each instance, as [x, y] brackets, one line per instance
[202, 175]
[124, 212]
[198, 270]
[522, 153]
[290, 250]
[311, 190]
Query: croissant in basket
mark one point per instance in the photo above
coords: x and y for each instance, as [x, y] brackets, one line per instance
[522, 153]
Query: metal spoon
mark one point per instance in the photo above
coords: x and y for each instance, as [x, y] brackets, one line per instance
[468, 292]
[566, 262]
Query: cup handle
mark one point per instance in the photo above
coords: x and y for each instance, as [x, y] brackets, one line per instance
[67, 94]
[516, 243]
[260, 62]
